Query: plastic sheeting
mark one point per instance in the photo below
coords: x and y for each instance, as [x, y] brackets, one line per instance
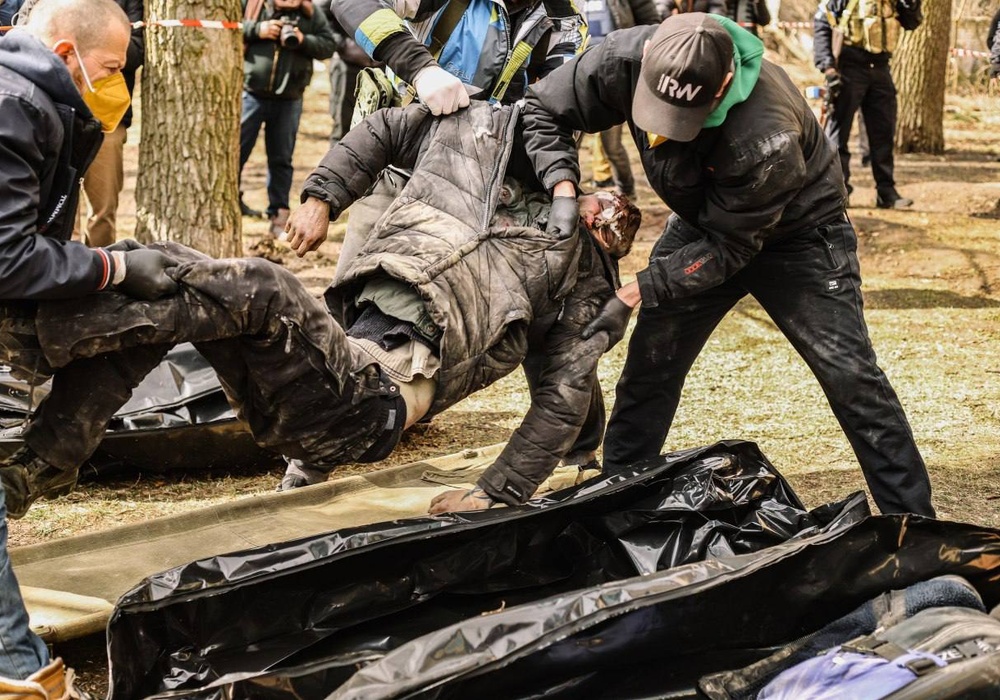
[178, 417]
[297, 619]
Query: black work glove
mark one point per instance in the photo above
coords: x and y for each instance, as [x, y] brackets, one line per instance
[833, 84]
[145, 275]
[125, 245]
[564, 217]
[611, 319]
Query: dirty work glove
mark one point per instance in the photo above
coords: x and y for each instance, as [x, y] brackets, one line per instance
[123, 245]
[564, 217]
[611, 319]
[833, 84]
[145, 274]
[441, 91]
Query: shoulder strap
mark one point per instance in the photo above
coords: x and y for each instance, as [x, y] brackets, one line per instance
[252, 10]
[446, 24]
[846, 16]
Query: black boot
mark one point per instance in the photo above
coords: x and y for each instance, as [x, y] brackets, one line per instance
[27, 477]
[891, 199]
[245, 210]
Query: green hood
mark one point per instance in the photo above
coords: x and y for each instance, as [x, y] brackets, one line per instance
[748, 54]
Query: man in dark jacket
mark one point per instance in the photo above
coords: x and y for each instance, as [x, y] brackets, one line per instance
[858, 76]
[729, 143]
[281, 41]
[47, 136]
[443, 307]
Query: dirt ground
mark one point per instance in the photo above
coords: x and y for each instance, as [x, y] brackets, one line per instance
[932, 292]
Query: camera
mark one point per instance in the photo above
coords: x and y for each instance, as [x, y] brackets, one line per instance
[288, 37]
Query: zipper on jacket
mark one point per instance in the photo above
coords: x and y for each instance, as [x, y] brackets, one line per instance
[500, 166]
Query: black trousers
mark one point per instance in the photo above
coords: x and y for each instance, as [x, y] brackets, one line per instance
[283, 361]
[810, 286]
[867, 85]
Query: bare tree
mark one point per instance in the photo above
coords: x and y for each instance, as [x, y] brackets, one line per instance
[919, 68]
[187, 185]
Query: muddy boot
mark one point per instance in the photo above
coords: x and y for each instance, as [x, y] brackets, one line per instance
[52, 682]
[27, 477]
[278, 222]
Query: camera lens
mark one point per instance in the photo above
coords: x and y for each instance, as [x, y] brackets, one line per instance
[288, 36]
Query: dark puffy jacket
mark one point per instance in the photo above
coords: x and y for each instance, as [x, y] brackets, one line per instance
[48, 138]
[496, 293]
[276, 71]
[766, 173]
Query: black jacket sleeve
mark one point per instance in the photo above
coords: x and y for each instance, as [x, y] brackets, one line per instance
[591, 93]
[33, 266]
[909, 13]
[384, 35]
[823, 57]
[561, 398]
[137, 43]
[392, 136]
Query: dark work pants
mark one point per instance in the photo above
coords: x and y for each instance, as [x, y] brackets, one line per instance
[280, 119]
[614, 149]
[810, 286]
[867, 85]
[283, 361]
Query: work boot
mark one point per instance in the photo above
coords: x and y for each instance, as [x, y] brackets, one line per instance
[52, 682]
[19, 346]
[278, 222]
[245, 210]
[27, 477]
[891, 199]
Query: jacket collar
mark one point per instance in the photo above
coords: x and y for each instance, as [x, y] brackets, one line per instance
[29, 57]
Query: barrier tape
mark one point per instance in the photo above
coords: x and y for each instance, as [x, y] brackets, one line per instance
[969, 52]
[202, 23]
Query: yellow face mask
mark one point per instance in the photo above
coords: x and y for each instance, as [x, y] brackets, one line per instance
[108, 99]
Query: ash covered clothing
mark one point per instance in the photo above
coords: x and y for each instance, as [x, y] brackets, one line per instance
[758, 200]
[530, 37]
[272, 70]
[287, 367]
[48, 138]
[498, 293]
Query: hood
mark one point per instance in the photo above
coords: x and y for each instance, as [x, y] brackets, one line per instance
[748, 55]
[29, 57]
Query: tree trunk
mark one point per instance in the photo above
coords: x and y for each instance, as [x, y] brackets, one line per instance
[919, 68]
[187, 185]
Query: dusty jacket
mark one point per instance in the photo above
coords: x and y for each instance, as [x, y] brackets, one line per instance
[483, 42]
[48, 138]
[493, 292]
[766, 173]
[276, 71]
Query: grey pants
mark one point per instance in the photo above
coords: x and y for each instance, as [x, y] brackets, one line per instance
[283, 361]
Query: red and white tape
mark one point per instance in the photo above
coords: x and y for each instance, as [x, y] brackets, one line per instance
[969, 52]
[202, 23]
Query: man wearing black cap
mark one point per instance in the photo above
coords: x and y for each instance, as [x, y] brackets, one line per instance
[729, 143]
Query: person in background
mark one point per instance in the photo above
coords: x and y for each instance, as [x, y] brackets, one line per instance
[994, 43]
[858, 75]
[105, 178]
[731, 146]
[67, 56]
[281, 39]
[610, 161]
[346, 63]
[8, 11]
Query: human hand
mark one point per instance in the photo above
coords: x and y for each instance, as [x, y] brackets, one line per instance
[146, 275]
[564, 217]
[269, 29]
[456, 501]
[441, 91]
[611, 319]
[833, 83]
[307, 226]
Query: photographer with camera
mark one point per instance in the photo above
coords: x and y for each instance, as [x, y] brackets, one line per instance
[281, 39]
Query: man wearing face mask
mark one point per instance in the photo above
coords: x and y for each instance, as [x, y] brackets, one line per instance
[52, 69]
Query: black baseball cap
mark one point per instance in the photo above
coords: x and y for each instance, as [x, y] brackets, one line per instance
[685, 64]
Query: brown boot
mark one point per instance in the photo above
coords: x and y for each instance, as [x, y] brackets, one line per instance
[278, 222]
[27, 477]
[52, 682]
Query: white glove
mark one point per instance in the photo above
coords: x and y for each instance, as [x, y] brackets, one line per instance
[441, 91]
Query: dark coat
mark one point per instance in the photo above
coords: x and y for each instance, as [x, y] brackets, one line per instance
[136, 54]
[766, 173]
[272, 70]
[48, 138]
[497, 294]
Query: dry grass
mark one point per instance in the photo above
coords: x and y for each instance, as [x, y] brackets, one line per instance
[932, 285]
